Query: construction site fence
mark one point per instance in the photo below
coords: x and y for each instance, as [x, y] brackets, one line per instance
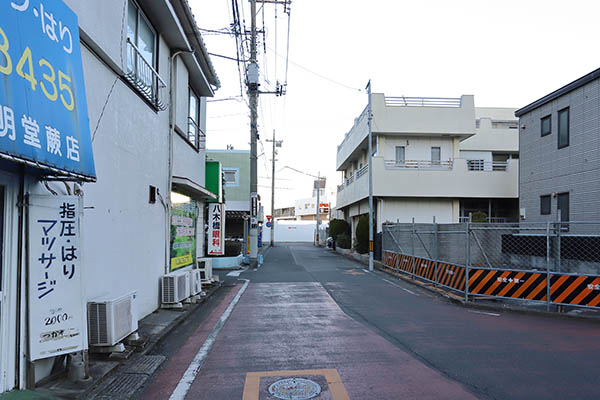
[553, 263]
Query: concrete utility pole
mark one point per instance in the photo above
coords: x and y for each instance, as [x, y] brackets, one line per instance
[370, 180]
[252, 81]
[253, 92]
[318, 185]
[276, 143]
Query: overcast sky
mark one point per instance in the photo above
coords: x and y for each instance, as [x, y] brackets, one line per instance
[507, 53]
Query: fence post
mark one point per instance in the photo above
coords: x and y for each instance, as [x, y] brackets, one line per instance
[467, 258]
[548, 267]
[558, 255]
[435, 249]
[412, 245]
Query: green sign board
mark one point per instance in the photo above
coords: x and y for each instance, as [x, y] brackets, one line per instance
[184, 219]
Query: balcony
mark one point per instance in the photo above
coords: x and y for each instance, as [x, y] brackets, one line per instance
[408, 117]
[145, 78]
[446, 179]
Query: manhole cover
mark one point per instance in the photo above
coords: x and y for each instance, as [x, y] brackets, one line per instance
[295, 389]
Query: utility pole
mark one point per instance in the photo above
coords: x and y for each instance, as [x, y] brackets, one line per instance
[276, 143]
[318, 185]
[370, 180]
[253, 92]
[253, 84]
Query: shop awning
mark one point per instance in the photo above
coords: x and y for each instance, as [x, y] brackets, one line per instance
[191, 189]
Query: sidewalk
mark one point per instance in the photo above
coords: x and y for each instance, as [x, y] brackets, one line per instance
[128, 373]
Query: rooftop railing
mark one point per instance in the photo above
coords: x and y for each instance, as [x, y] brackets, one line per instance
[145, 78]
[422, 102]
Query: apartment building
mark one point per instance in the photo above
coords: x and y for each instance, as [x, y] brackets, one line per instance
[432, 158]
[560, 154]
[112, 130]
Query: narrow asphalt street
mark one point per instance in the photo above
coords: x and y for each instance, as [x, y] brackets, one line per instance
[363, 335]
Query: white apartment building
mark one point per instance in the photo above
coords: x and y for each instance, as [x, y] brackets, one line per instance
[432, 158]
[146, 76]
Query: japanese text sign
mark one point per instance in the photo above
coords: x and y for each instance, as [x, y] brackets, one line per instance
[216, 229]
[56, 295]
[43, 109]
[184, 218]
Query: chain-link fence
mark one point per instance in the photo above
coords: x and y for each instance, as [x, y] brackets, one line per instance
[556, 262]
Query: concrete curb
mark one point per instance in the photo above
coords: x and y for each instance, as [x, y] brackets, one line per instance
[460, 300]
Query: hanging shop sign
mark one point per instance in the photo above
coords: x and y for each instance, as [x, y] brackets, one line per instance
[184, 219]
[56, 293]
[216, 229]
[43, 111]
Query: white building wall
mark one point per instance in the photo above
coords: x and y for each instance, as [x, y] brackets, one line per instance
[416, 148]
[422, 210]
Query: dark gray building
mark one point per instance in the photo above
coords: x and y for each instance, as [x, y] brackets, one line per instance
[560, 154]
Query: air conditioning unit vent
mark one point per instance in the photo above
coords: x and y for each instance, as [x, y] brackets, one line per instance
[111, 320]
[175, 287]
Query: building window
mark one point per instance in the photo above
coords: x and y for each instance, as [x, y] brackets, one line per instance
[545, 205]
[563, 128]
[546, 125]
[436, 155]
[193, 119]
[231, 177]
[142, 56]
[400, 154]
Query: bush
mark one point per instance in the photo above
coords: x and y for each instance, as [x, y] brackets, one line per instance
[362, 235]
[343, 241]
[479, 216]
[337, 227]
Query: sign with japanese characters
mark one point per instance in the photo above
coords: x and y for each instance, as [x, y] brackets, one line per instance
[43, 110]
[56, 293]
[216, 229]
[184, 219]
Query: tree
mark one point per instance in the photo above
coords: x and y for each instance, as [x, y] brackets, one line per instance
[362, 235]
[337, 227]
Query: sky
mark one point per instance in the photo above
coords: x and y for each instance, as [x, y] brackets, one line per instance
[506, 53]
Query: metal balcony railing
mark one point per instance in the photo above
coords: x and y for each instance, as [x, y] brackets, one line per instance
[362, 171]
[145, 78]
[423, 102]
[418, 164]
[481, 165]
[195, 135]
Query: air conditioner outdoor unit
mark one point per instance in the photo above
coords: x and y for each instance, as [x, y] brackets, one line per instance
[195, 282]
[205, 267]
[175, 287]
[111, 320]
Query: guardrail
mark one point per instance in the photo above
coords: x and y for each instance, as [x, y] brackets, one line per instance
[423, 102]
[418, 164]
[145, 78]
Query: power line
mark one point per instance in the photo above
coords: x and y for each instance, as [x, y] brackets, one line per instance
[316, 73]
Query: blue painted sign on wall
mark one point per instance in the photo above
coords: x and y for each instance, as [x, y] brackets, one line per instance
[43, 109]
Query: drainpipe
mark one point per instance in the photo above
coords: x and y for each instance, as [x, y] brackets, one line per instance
[172, 114]
[20, 267]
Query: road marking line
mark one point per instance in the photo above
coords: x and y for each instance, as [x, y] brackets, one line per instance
[236, 273]
[400, 287]
[484, 313]
[193, 369]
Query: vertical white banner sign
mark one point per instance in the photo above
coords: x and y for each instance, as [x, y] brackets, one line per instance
[56, 293]
[216, 229]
